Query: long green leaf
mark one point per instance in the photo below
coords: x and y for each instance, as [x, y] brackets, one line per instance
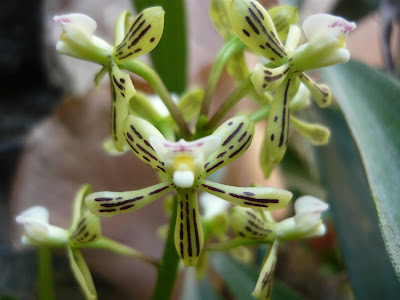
[169, 57]
[241, 279]
[371, 105]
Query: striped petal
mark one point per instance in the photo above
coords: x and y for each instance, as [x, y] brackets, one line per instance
[262, 197]
[254, 27]
[137, 134]
[250, 224]
[318, 135]
[283, 17]
[268, 79]
[107, 204]
[277, 134]
[79, 204]
[82, 273]
[320, 92]
[189, 237]
[121, 27]
[143, 36]
[236, 135]
[87, 230]
[122, 90]
[263, 289]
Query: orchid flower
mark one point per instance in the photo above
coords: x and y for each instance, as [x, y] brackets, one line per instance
[185, 165]
[84, 231]
[132, 39]
[249, 223]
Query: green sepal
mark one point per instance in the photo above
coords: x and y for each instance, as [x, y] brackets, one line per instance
[140, 106]
[122, 90]
[242, 254]
[318, 135]
[301, 100]
[236, 136]
[189, 237]
[219, 16]
[137, 132]
[79, 205]
[283, 17]
[248, 223]
[82, 273]
[87, 230]
[217, 225]
[256, 197]
[99, 77]
[237, 67]
[294, 38]
[268, 79]
[190, 103]
[143, 36]
[263, 289]
[277, 133]
[107, 204]
[254, 27]
[109, 148]
[121, 27]
[266, 161]
[320, 92]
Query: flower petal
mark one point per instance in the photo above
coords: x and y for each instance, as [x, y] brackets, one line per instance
[262, 197]
[121, 27]
[294, 38]
[283, 17]
[82, 273]
[256, 30]
[263, 289]
[320, 92]
[318, 135]
[122, 90]
[143, 36]
[137, 133]
[277, 134]
[99, 77]
[268, 79]
[108, 204]
[189, 237]
[236, 135]
[87, 230]
[79, 204]
[190, 103]
[301, 100]
[77, 27]
[219, 16]
[250, 224]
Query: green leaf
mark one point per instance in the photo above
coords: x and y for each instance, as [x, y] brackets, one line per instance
[370, 103]
[241, 279]
[170, 54]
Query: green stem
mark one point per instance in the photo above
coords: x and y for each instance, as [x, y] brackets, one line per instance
[232, 47]
[235, 242]
[150, 75]
[232, 100]
[111, 245]
[260, 114]
[46, 282]
[169, 269]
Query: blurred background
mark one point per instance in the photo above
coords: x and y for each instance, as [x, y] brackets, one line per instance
[51, 137]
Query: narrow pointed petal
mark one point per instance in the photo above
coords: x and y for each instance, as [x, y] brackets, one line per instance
[277, 134]
[236, 136]
[258, 197]
[99, 77]
[294, 38]
[107, 204]
[268, 79]
[219, 15]
[320, 92]
[122, 90]
[79, 203]
[263, 289]
[283, 17]
[109, 148]
[82, 273]
[189, 237]
[121, 27]
[137, 133]
[318, 135]
[301, 100]
[143, 36]
[254, 27]
[190, 104]
[250, 224]
[87, 230]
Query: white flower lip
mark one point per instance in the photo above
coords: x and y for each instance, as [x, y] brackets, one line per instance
[77, 22]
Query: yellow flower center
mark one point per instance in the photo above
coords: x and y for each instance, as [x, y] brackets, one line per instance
[183, 163]
[342, 41]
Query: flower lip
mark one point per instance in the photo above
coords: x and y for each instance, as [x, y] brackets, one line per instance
[80, 22]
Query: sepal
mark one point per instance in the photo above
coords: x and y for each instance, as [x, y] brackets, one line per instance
[190, 104]
[301, 100]
[268, 79]
[219, 15]
[318, 135]
[294, 38]
[283, 17]
[320, 92]
[87, 230]
[121, 27]
[250, 224]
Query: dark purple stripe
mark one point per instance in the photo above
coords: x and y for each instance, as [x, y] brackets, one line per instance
[213, 188]
[233, 134]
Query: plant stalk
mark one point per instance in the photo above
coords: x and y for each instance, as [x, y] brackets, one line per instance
[46, 280]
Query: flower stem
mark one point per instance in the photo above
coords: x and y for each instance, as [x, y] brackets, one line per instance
[227, 51]
[150, 75]
[169, 269]
[260, 114]
[46, 282]
[235, 242]
[232, 100]
[111, 245]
